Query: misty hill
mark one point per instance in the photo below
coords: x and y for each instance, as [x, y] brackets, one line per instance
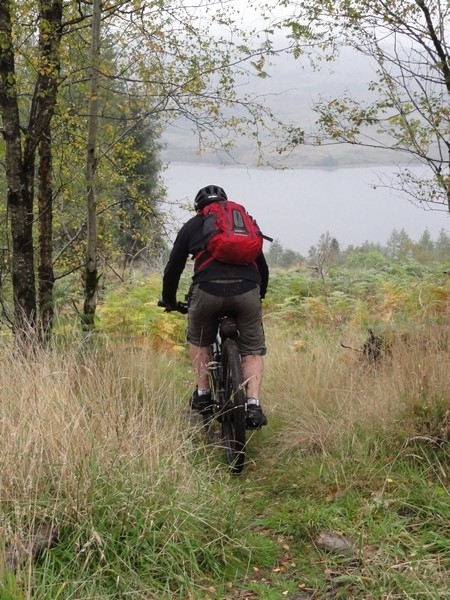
[290, 91]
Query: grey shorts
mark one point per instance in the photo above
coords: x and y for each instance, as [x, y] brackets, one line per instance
[204, 310]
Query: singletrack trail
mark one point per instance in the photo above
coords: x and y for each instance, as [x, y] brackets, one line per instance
[341, 526]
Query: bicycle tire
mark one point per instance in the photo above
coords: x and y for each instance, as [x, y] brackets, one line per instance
[233, 411]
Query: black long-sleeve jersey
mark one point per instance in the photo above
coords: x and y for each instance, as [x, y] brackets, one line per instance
[190, 241]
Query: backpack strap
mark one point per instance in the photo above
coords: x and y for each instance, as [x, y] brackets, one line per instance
[200, 264]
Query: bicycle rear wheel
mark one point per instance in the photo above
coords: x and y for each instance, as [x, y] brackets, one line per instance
[233, 412]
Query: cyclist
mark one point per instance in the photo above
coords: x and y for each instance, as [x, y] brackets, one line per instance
[219, 288]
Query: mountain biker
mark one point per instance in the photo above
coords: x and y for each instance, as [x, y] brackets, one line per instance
[218, 288]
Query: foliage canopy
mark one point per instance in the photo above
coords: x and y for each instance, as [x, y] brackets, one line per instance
[407, 104]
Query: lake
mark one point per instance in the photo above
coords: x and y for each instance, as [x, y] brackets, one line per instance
[297, 206]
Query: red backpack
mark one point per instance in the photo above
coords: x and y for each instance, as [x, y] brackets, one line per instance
[231, 234]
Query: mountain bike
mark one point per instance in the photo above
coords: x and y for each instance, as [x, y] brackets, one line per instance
[229, 399]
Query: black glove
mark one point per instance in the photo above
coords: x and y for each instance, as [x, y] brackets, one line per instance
[176, 306]
[168, 306]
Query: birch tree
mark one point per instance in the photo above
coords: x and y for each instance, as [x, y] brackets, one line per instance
[407, 106]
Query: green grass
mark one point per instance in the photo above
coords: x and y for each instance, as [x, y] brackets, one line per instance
[395, 509]
[256, 533]
[96, 443]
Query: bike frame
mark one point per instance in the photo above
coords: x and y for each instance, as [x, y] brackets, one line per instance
[227, 330]
[229, 404]
[228, 391]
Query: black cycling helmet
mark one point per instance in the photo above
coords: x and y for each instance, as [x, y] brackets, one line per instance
[207, 195]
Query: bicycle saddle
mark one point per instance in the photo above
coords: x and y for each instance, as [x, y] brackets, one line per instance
[228, 328]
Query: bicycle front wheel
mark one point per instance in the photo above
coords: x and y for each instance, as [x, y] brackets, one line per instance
[233, 412]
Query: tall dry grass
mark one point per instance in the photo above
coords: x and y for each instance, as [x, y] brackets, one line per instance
[59, 410]
[122, 408]
[95, 443]
[324, 395]
[94, 440]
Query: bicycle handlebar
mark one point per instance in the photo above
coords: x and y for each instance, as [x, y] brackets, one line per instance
[180, 307]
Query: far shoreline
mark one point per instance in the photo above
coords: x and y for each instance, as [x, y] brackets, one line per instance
[369, 165]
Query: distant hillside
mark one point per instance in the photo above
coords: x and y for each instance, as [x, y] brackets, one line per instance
[180, 146]
[291, 90]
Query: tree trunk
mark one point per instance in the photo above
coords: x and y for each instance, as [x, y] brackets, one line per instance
[45, 269]
[48, 82]
[20, 165]
[91, 277]
[19, 182]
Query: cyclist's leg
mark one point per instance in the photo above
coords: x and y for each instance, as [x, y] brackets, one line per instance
[202, 330]
[248, 313]
[200, 358]
[253, 370]
[252, 348]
